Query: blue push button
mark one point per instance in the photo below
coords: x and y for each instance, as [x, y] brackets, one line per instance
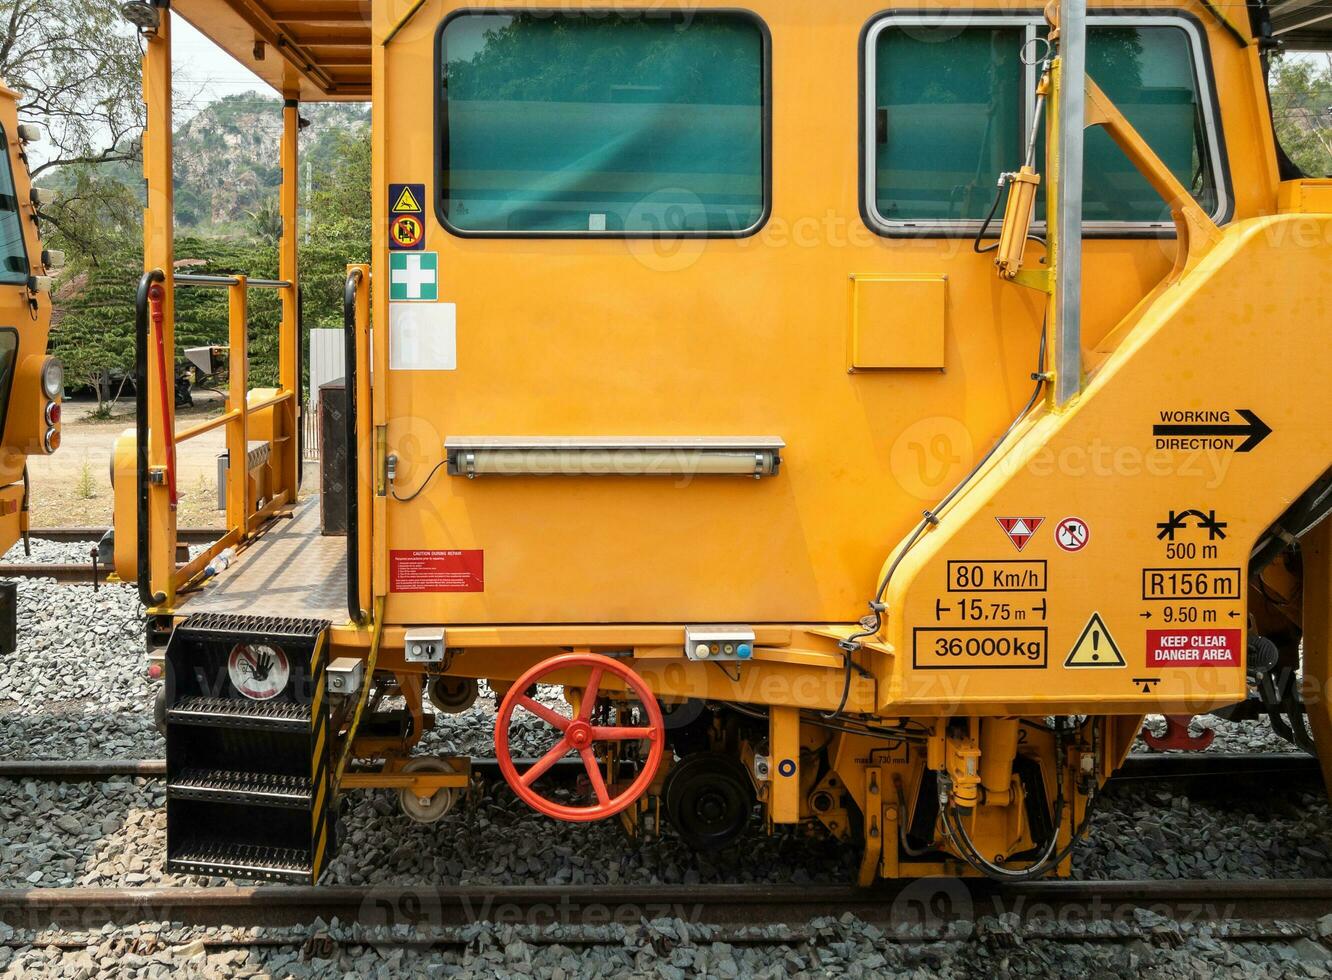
[744, 651]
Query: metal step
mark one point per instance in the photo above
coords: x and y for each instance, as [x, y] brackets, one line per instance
[204, 857]
[227, 786]
[282, 716]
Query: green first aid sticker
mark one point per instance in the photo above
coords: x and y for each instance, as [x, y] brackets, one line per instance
[414, 276]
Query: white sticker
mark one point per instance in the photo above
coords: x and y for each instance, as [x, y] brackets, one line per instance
[596, 222]
[423, 337]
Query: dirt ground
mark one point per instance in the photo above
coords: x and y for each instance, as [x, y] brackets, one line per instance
[72, 488]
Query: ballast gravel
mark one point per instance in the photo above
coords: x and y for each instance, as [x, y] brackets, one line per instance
[77, 688]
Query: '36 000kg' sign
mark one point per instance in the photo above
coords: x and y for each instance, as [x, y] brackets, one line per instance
[970, 647]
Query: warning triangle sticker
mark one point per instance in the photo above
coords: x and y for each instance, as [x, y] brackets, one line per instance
[1020, 529]
[1095, 647]
[406, 202]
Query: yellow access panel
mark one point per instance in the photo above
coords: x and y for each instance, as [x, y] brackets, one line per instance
[502, 332]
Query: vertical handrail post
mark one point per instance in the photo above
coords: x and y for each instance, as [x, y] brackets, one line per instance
[288, 413]
[1068, 218]
[159, 256]
[355, 323]
[238, 432]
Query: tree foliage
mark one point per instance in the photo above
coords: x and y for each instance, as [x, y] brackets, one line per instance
[1301, 88]
[76, 66]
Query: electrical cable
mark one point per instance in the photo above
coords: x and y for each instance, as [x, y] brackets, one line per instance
[429, 476]
[931, 519]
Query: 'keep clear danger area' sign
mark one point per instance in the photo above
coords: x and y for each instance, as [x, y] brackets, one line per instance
[1193, 648]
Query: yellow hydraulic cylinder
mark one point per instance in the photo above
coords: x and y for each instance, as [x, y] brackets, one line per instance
[1018, 210]
[998, 746]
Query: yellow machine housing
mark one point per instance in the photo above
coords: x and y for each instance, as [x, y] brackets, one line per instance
[650, 446]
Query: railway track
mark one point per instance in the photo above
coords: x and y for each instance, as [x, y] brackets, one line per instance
[1059, 909]
[1181, 768]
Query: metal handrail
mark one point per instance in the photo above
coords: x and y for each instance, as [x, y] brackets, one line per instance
[153, 276]
[350, 292]
[187, 279]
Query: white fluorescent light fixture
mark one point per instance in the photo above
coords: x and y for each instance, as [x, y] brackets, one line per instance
[675, 456]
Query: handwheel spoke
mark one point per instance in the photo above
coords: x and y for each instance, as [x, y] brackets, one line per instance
[545, 762]
[548, 715]
[594, 774]
[616, 733]
[590, 694]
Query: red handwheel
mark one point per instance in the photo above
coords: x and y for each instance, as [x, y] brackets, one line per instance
[581, 735]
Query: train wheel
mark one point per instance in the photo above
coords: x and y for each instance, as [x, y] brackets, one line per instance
[424, 809]
[579, 734]
[453, 695]
[709, 800]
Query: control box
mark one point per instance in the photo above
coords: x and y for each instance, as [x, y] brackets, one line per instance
[719, 642]
[424, 645]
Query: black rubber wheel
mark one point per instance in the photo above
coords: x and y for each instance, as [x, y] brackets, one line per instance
[709, 800]
[453, 695]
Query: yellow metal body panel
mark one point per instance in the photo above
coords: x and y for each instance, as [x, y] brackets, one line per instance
[719, 337]
[899, 322]
[28, 314]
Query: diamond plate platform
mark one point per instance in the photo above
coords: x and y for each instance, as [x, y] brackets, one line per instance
[292, 571]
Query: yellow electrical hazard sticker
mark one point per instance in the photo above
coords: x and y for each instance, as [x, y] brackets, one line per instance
[406, 202]
[1095, 647]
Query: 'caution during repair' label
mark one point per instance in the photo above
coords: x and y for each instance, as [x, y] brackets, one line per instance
[437, 571]
[1193, 648]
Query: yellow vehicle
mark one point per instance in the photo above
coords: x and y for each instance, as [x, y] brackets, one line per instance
[710, 386]
[31, 383]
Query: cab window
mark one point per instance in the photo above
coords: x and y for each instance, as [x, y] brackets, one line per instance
[952, 105]
[592, 123]
[13, 253]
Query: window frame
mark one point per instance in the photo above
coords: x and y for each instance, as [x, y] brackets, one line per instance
[1031, 19]
[26, 276]
[441, 104]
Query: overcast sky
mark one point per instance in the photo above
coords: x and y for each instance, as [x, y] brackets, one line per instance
[205, 73]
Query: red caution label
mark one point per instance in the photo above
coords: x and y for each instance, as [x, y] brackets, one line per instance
[437, 571]
[1193, 648]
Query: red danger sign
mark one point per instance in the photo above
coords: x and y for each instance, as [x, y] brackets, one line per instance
[437, 571]
[1193, 648]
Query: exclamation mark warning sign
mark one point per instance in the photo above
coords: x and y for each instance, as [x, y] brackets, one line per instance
[1095, 647]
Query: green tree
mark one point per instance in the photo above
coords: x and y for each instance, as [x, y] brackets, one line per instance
[1301, 92]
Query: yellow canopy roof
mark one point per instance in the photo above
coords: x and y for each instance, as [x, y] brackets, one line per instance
[314, 50]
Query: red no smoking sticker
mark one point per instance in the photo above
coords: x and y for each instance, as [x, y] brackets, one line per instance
[1193, 648]
[437, 571]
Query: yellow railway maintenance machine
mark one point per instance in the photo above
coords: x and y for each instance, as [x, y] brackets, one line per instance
[861, 415]
[31, 383]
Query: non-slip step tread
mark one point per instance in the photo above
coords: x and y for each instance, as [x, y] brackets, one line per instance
[238, 713]
[233, 627]
[226, 785]
[206, 857]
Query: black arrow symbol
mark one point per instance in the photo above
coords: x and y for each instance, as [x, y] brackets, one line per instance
[1233, 614]
[1255, 431]
[1146, 615]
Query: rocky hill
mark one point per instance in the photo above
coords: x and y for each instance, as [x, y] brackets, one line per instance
[227, 156]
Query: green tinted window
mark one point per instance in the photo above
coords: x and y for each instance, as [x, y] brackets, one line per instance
[13, 254]
[1148, 73]
[948, 119]
[563, 123]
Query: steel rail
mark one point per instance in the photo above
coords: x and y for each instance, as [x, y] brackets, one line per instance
[891, 902]
[192, 535]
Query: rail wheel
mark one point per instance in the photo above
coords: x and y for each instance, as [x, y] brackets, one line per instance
[709, 800]
[427, 809]
[580, 734]
[453, 695]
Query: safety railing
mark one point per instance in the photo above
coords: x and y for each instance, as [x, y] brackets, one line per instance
[243, 517]
[356, 381]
